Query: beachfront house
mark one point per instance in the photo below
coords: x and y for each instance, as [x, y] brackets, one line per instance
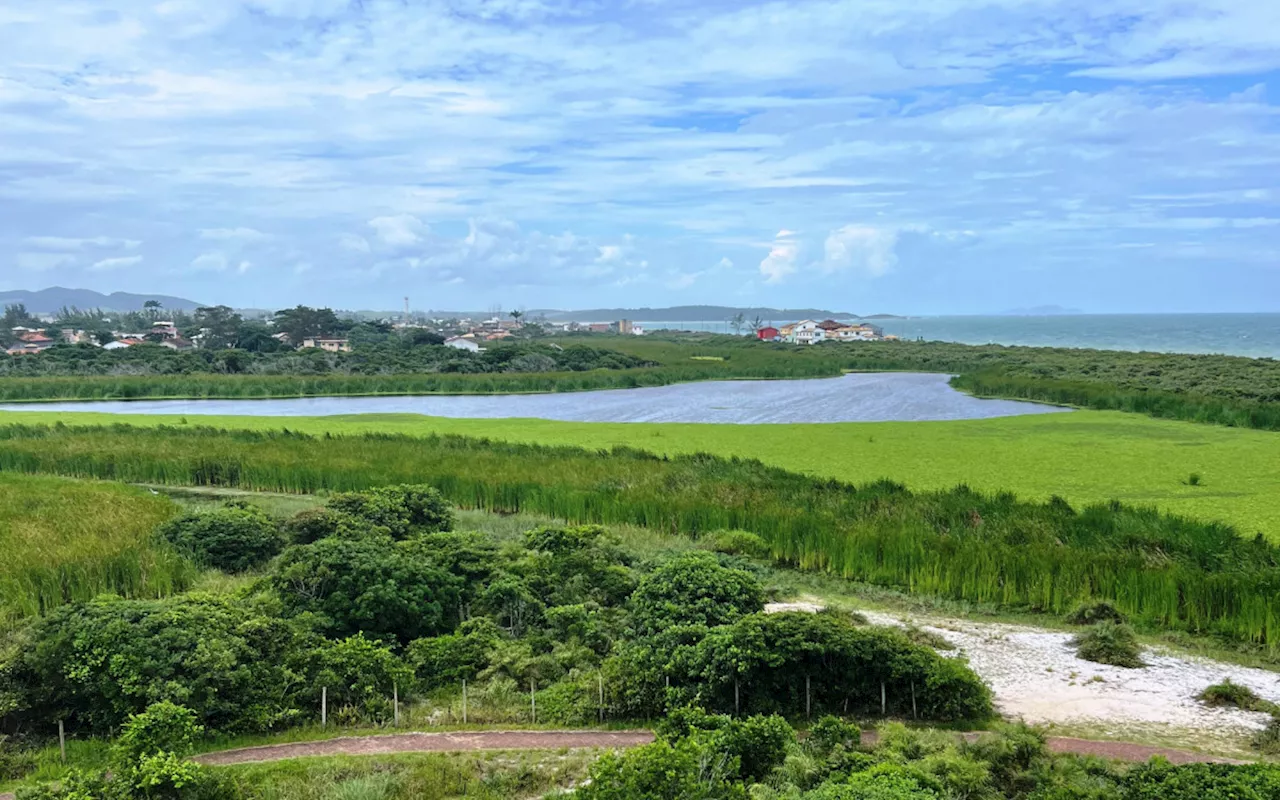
[768, 334]
[808, 332]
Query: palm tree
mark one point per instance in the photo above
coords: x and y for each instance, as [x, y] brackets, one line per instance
[152, 309]
[516, 315]
[738, 322]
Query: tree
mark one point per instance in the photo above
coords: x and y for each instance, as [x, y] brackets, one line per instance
[695, 589]
[404, 510]
[219, 325]
[516, 315]
[757, 323]
[303, 322]
[375, 586]
[151, 309]
[738, 322]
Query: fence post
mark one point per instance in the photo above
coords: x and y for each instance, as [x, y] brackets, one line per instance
[464, 701]
[324, 706]
[883, 706]
[808, 699]
[533, 700]
[737, 705]
[914, 715]
[600, 678]
[395, 702]
[62, 741]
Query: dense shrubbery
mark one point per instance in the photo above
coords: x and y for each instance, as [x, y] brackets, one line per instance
[1158, 569]
[235, 538]
[723, 759]
[380, 600]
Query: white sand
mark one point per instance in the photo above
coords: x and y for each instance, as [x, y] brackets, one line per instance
[1036, 676]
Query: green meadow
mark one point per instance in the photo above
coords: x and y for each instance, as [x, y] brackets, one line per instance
[1086, 456]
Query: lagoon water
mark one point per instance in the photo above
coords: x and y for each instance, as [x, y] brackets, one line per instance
[866, 397]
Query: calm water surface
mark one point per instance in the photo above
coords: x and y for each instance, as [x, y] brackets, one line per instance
[878, 397]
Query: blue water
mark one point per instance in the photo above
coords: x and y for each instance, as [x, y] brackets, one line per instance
[868, 397]
[1256, 335]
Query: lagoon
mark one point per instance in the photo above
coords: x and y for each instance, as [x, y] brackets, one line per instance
[861, 397]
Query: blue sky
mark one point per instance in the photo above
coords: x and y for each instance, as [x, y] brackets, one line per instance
[933, 156]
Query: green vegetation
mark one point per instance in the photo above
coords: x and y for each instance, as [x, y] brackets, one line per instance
[1094, 612]
[234, 538]
[1234, 695]
[66, 541]
[710, 758]
[1158, 569]
[1109, 643]
[1085, 457]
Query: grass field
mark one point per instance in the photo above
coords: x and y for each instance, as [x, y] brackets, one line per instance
[65, 541]
[1086, 456]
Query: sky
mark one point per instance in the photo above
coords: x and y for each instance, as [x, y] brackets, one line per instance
[923, 157]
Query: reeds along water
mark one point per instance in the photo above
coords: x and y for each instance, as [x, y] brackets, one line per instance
[1160, 569]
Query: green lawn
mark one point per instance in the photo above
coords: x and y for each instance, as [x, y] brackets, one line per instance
[1084, 456]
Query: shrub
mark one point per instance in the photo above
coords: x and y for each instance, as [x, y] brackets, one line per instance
[830, 732]
[694, 589]
[366, 585]
[758, 743]
[311, 525]
[663, 771]
[163, 727]
[882, 782]
[1095, 612]
[1193, 479]
[404, 510]
[233, 539]
[928, 638]
[15, 761]
[361, 676]
[447, 660]
[737, 543]
[1109, 643]
[1232, 694]
[97, 663]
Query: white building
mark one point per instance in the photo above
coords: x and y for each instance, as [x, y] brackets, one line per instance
[808, 332]
[463, 343]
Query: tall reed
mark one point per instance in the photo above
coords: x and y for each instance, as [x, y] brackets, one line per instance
[1160, 569]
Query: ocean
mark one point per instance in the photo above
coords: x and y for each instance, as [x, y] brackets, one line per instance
[1254, 335]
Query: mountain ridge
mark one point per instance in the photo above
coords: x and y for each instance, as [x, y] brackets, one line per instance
[50, 300]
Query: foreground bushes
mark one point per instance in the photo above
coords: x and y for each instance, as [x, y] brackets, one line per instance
[1157, 569]
[235, 538]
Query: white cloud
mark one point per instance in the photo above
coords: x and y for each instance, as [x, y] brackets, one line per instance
[354, 243]
[234, 235]
[68, 244]
[42, 262]
[209, 262]
[108, 264]
[782, 259]
[402, 230]
[862, 249]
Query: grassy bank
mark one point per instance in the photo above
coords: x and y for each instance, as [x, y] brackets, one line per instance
[66, 541]
[1086, 457]
[1168, 571]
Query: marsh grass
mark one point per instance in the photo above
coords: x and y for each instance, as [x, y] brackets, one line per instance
[1164, 570]
[66, 541]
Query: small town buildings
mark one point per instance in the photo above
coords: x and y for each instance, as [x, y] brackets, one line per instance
[808, 332]
[599, 327]
[768, 334]
[116, 345]
[177, 343]
[165, 329]
[467, 343]
[28, 348]
[327, 345]
[622, 326]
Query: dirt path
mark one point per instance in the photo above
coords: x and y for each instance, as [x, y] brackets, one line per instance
[430, 743]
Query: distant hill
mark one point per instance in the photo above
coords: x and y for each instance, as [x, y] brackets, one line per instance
[689, 314]
[49, 301]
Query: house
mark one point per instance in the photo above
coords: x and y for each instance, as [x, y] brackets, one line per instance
[463, 343]
[768, 334]
[327, 345]
[177, 343]
[598, 327]
[493, 337]
[808, 332]
[165, 329]
[830, 325]
[637, 330]
[28, 348]
[116, 345]
[35, 337]
[622, 326]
